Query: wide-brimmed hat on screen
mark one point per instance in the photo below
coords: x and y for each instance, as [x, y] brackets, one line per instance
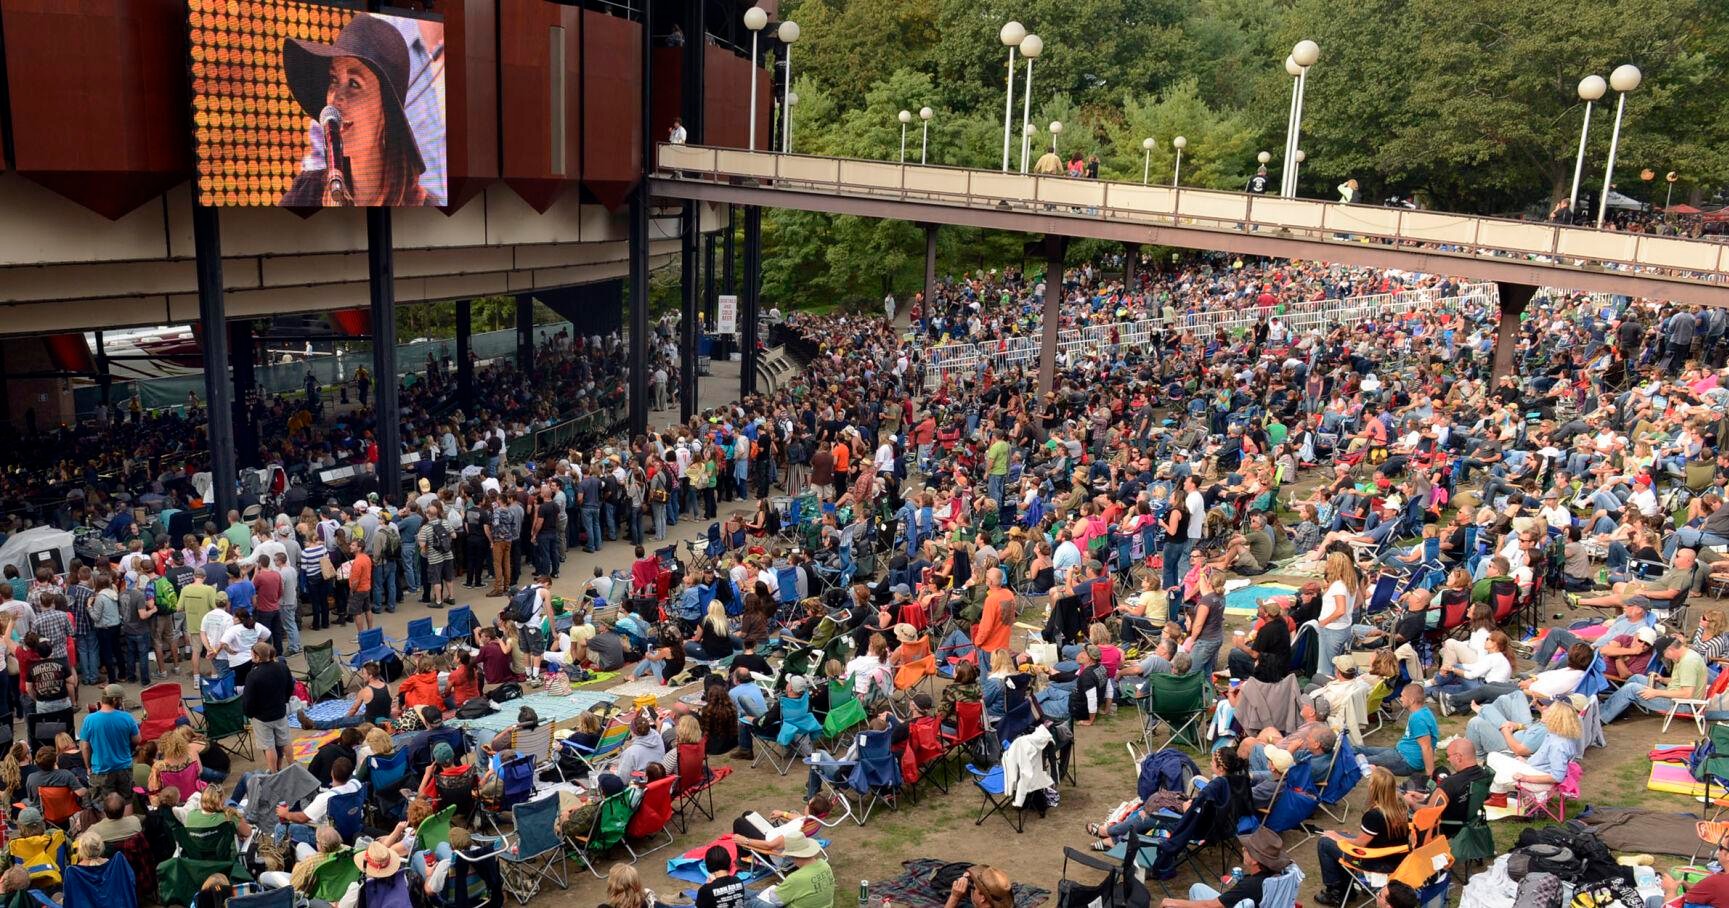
[374, 42]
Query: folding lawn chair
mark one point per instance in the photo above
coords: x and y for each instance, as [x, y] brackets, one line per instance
[372, 648]
[996, 799]
[323, 675]
[604, 833]
[783, 746]
[281, 897]
[226, 726]
[652, 817]
[1122, 886]
[421, 638]
[384, 781]
[458, 625]
[696, 782]
[537, 853]
[1180, 701]
[161, 703]
[517, 775]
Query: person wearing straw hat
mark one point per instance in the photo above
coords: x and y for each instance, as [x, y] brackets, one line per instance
[382, 881]
[363, 75]
[810, 885]
[1263, 858]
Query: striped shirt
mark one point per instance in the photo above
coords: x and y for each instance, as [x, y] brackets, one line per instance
[310, 558]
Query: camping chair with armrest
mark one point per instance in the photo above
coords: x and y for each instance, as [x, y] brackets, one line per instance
[798, 730]
[281, 897]
[323, 674]
[922, 754]
[1471, 839]
[384, 780]
[1504, 600]
[1293, 800]
[652, 818]
[876, 774]
[421, 638]
[910, 676]
[371, 647]
[435, 829]
[1333, 789]
[114, 883]
[995, 797]
[1548, 799]
[696, 782]
[474, 880]
[1206, 824]
[1122, 886]
[458, 625]
[1373, 720]
[43, 857]
[517, 776]
[536, 854]
[59, 804]
[331, 879]
[162, 709]
[348, 813]
[1688, 708]
[1426, 868]
[225, 722]
[1180, 701]
[845, 713]
[1019, 715]
[969, 727]
[605, 832]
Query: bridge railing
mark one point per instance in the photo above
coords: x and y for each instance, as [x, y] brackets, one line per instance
[1236, 212]
[1000, 355]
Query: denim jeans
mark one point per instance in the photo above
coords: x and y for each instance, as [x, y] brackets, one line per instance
[113, 647]
[290, 628]
[647, 666]
[383, 586]
[1689, 537]
[138, 656]
[89, 658]
[1205, 655]
[317, 596]
[1557, 639]
[609, 521]
[1389, 758]
[1176, 557]
[1332, 643]
[1201, 892]
[410, 569]
[996, 486]
[1628, 695]
[591, 526]
[546, 553]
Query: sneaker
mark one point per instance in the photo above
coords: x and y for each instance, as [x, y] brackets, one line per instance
[450, 600]
[1330, 897]
[435, 605]
[742, 754]
[1572, 600]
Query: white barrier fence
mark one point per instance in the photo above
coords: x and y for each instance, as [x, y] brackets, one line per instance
[1072, 343]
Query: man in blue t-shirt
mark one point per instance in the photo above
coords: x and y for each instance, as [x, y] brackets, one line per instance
[1415, 752]
[107, 738]
[240, 591]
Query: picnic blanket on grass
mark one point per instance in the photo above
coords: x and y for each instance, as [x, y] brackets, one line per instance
[648, 686]
[305, 747]
[913, 889]
[1631, 829]
[689, 866]
[550, 708]
[324, 711]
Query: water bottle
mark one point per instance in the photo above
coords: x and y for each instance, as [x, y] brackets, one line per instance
[864, 893]
[1236, 876]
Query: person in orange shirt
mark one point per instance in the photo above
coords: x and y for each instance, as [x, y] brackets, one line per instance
[842, 463]
[997, 623]
[360, 587]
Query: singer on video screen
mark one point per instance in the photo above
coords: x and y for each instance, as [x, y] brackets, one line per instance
[365, 93]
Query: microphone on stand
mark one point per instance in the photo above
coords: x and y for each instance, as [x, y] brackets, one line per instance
[335, 165]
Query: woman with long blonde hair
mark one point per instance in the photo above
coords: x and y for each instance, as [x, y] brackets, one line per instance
[624, 888]
[1338, 605]
[1548, 764]
[1386, 823]
[1711, 639]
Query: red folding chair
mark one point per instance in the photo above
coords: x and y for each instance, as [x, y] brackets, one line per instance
[162, 710]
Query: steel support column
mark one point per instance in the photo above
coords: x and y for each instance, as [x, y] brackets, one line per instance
[1514, 298]
[386, 382]
[729, 254]
[930, 266]
[751, 300]
[1131, 265]
[218, 401]
[637, 315]
[710, 247]
[1055, 248]
[524, 333]
[464, 355]
[689, 288]
[243, 355]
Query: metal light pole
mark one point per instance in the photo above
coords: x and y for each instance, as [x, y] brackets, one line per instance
[788, 34]
[905, 116]
[1303, 56]
[1056, 130]
[1031, 47]
[1290, 127]
[1296, 168]
[1624, 79]
[754, 19]
[925, 114]
[1591, 88]
[1028, 130]
[1011, 35]
[1146, 159]
[1670, 195]
[1179, 143]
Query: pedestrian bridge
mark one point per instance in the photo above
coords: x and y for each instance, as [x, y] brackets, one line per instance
[1530, 253]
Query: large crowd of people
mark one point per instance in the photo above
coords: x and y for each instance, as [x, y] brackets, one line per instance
[872, 542]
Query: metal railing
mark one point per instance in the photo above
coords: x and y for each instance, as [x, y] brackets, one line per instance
[1072, 343]
[1702, 261]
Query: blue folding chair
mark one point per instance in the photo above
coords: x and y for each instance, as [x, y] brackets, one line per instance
[211, 689]
[786, 578]
[517, 774]
[110, 883]
[537, 854]
[996, 797]
[876, 775]
[372, 648]
[347, 813]
[459, 624]
[421, 638]
[280, 897]
[385, 776]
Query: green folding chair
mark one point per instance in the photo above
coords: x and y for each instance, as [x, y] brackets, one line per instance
[1471, 839]
[434, 830]
[845, 712]
[1179, 701]
[323, 675]
[225, 721]
[331, 879]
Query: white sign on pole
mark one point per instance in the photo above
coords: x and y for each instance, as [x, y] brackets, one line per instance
[726, 315]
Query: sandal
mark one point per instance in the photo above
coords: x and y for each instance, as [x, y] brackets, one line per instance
[1102, 845]
[1095, 830]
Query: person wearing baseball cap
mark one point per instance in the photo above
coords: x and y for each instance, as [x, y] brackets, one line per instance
[1687, 679]
[107, 738]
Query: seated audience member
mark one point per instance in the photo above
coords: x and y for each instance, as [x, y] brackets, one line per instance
[1687, 679]
[1263, 858]
[1229, 782]
[1266, 658]
[1415, 751]
[1385, 823]
[1548, 763]
[301, 825]
[116, 824]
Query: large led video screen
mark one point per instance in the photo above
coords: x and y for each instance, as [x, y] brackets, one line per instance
[309, 105]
